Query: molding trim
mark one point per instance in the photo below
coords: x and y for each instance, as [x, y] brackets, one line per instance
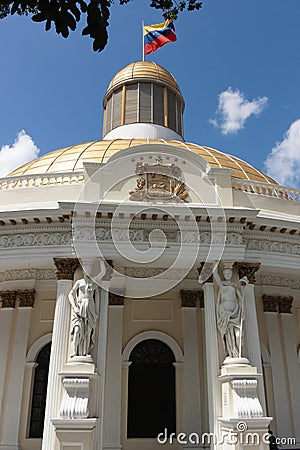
[37, 347]
[167, 339]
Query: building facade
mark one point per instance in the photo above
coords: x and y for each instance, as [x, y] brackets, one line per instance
[116, 259]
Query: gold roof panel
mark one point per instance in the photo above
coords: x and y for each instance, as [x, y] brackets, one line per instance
[70, 159]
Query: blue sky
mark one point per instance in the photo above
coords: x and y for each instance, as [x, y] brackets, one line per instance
[53, 88]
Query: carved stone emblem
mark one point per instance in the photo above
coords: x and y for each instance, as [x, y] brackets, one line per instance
[158, 181]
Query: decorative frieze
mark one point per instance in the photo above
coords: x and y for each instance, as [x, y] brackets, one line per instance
[149, 272]
[115, 299]
[28, 274]
[36, 240]
[277, 303]
[277, 280]
[248, 270]
[9, 299]
[26, 298]
[66, 268]
[272, 247]
[189, 299]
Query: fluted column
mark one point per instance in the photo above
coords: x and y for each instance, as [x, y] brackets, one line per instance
[192, 406]
[251, 338]
[11, 409]
[113, 381]
[60, 340]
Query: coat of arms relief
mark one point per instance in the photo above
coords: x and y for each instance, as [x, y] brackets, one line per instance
[159, 182]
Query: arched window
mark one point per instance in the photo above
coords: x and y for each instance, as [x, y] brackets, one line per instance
[151, 390]
[39, 392]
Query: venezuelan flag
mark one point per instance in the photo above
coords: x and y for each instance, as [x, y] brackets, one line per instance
[155, 36]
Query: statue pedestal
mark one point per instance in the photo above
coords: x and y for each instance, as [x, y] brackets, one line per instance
[75, 434]
[242, 422]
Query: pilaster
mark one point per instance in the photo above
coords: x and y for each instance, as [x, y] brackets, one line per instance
[279, 375]
[113, 379]
[11, 405]
[293, 369]
[192, 405]
[212, 358]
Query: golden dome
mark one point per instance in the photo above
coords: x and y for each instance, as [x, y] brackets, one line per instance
[142, 70]
[71, 159]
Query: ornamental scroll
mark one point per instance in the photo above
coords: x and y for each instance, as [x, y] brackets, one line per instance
[158, 181]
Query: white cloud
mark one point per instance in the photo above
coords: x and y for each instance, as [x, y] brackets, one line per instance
[22, 151]
[283, 162]
[234, 109]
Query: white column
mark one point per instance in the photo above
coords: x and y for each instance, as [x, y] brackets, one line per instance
[293, 369]
[279, 376]
[113, 379]
[59, 348]
[192, 406]
[6, 316]
[252, 341]
[101, 364]
[14, 387]
[212, 357]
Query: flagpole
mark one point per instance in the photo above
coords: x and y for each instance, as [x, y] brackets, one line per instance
[143, 47]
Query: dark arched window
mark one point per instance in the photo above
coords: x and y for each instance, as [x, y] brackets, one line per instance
[151, 390]
[39, 393]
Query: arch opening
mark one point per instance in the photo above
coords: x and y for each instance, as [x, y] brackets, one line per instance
[151, 390]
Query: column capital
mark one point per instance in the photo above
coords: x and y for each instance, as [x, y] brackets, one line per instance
[189, 298]
[204, 276]
[248, 270]
[277, 303]
[285, 305]
[9, 299]
[115, 299]
[109, 269]
[26, 298]
[66, 267]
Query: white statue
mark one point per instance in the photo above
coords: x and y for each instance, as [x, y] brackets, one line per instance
[230, 312]
[85, 306]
